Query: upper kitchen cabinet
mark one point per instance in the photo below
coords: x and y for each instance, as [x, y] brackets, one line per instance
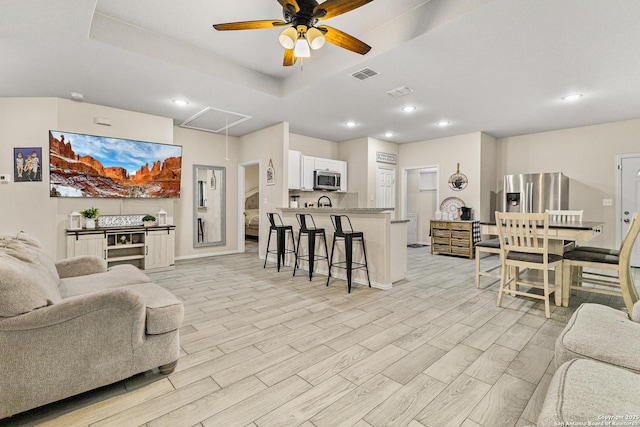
[295, 170]
[308, 164]
[301, 169]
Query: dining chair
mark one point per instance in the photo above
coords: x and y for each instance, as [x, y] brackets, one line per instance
[565, 215]
[524, 243]
[617, 280]
[491, 247]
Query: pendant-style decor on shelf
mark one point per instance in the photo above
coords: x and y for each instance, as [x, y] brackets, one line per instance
[458, 181]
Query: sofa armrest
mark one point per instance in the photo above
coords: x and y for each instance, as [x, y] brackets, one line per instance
[81, 266]
[129, 304]
[81, 343]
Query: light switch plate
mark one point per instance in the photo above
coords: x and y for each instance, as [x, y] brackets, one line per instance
[607, 202]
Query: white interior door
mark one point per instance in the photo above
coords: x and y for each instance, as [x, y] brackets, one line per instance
[630, 199]
[386, 195]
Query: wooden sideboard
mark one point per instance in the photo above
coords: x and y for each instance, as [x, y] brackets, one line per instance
[145, 247]
[454, 237]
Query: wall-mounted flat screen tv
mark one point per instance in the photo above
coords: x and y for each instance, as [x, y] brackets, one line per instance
[97, 166]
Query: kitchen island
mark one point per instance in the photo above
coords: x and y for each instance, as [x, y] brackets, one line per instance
[385, 239]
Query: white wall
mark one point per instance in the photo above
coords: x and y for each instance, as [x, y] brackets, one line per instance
[208, 149]
[313, 146]
[447, 153]
[26, 206]
[586, 155]
[267, 144]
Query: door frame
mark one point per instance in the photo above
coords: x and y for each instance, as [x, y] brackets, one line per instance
[241, 192]
[403, 184]
[618, 201]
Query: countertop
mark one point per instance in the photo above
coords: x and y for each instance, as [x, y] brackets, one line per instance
[336, 210]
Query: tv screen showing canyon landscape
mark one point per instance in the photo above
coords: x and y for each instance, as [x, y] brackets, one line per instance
[97, 166]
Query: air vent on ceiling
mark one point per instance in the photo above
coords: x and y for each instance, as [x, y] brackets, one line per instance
[213, 120]
[364, 74]
[400, 91]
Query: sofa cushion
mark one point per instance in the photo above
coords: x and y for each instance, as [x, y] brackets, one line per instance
[28, 277]
[164, 311]
[600, 333]
[115, 277]
[583, 391]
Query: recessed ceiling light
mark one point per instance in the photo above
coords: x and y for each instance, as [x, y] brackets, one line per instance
[351, 124]
[388, 134]
[409, 109]
[181, 102]
[572, 97]
[443, 123]
[77, 96]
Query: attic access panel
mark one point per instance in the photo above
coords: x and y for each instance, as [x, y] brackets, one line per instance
[214, 120]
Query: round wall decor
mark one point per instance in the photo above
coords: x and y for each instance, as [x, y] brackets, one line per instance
[458, 181]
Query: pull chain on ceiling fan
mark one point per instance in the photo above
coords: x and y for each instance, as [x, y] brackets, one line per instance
[302, 34]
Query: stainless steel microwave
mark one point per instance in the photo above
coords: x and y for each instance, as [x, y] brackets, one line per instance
[326, 180]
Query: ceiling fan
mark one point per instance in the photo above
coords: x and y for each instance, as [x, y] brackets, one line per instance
[302, 34]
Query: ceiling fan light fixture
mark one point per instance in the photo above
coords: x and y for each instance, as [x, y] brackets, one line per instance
[288, 38]
[301, 49]
[316, 38]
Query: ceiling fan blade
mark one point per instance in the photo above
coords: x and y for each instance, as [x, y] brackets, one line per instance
[331, 8]
[289, 59]
[249, 25]
[292, 3]
[344, 40]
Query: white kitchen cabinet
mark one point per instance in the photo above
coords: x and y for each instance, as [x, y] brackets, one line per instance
[308, 164]
[301, 169]
[295, 170]
[324, 164]
[342, 168]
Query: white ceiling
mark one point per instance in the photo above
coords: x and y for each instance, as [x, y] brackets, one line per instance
[498, 66]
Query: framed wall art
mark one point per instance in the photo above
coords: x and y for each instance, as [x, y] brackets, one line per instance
[27, 164]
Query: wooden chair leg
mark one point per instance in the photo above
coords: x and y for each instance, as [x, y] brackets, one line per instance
[558, 291]
[477, 268]
[567, 280]
[547, 309]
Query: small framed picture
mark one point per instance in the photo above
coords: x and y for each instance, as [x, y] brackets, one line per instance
[27, 164]
[271, 174]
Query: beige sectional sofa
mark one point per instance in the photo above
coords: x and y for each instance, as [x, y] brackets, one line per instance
[70, 326]
[597, 381]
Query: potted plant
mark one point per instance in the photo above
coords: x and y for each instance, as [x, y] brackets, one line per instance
[90, 215]
[149, 220]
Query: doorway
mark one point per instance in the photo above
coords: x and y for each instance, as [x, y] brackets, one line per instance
[248, 206]
[420, 196]
[628, 197]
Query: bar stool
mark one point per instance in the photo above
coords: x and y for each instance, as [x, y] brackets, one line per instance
[349, 236]
[311, 232]
[278, 226]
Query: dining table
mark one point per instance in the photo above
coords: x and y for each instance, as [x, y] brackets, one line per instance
[559, 232]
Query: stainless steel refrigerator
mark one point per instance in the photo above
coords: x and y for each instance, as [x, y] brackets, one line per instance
[536, 192]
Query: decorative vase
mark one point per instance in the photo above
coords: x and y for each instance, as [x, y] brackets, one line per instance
[90, 223]
[149, 223]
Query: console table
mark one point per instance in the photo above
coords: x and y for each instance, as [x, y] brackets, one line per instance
[454, 237]
[145, 247]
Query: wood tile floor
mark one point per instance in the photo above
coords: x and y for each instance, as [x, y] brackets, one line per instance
[262, 348]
